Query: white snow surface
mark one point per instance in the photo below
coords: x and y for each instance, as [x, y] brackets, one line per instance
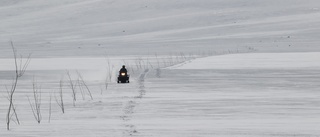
[142, 27]
[308, 60]
[198, 68]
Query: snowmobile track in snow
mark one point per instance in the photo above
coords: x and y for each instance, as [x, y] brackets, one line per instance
[128, 110]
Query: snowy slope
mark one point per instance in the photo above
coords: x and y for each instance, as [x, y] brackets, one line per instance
[258, 94]
[74, 27]
[273, 92]
[307, 60]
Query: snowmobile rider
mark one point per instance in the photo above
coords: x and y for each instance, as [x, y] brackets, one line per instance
[123, 70]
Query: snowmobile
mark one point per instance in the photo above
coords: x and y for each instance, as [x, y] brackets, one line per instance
[123, 77]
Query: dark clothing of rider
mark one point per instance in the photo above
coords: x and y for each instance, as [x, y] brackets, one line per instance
[123, 70]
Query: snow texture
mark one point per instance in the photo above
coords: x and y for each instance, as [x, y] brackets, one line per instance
[198, 68]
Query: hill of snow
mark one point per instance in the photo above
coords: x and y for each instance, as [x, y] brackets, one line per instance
[86, 28]
[273, 92]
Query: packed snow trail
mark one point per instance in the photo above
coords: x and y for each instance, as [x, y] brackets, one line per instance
[131, 102]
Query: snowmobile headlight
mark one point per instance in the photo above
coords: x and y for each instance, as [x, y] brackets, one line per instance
[123, 74]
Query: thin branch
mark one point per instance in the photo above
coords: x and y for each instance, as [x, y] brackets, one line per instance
[60, 100]
[50, 107]
[72, 86]
[84, 83]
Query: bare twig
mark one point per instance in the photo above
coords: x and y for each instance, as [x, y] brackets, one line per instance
[18, 73]
[13, 107]
[82, 83]
[36, 105]
[81, 88]
[60, 99]
[73, 88]
[50, 94]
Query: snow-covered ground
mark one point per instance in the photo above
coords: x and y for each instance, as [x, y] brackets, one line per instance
[198, 67]
[257, 61]
[142, 27]
[242, 95]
